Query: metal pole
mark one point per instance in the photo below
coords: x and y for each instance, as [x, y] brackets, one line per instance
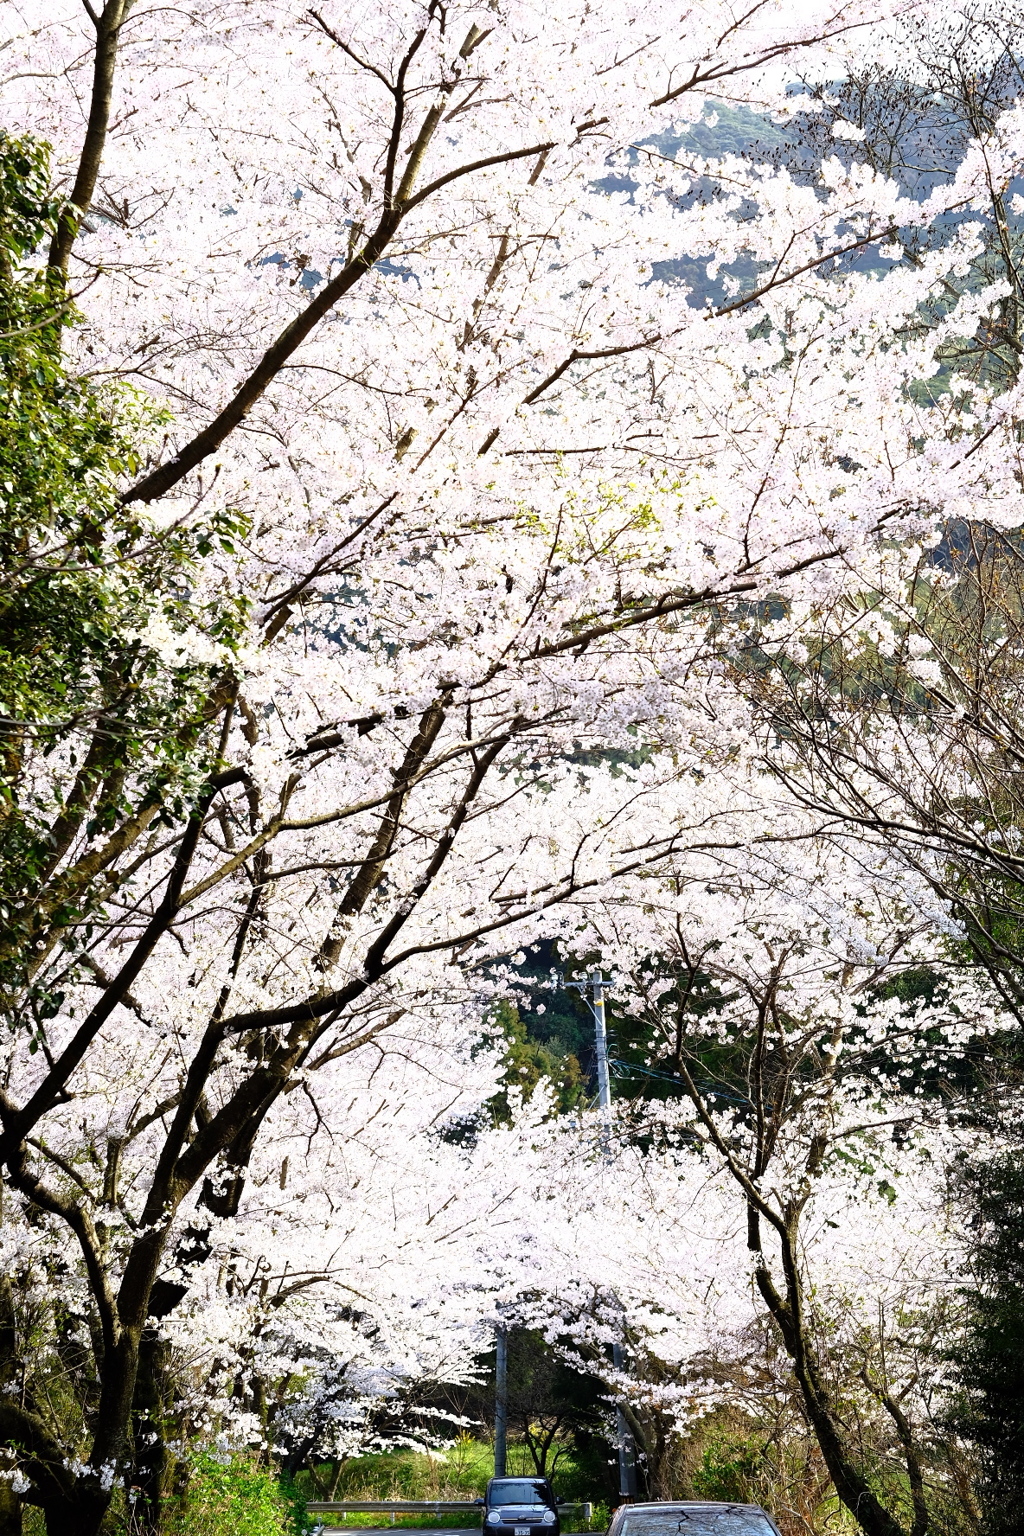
[627, 1450]
[604, 1082]
[500, 1401]
[623, 1433]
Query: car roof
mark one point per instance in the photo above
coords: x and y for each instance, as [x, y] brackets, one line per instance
[518, 1477]
[668, 1505]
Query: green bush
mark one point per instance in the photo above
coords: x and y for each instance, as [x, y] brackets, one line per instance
[727, 1470]
[234, 1498]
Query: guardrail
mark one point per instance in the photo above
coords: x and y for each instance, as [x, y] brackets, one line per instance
[395, 1507]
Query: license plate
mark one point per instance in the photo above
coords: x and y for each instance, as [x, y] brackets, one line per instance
[521, 1530]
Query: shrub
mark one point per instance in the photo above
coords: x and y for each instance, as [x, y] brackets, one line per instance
[233, 1498]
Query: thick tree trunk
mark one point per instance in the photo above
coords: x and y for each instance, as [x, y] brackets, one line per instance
[81, 1515]
[83, 1510]
[157, 1471]
[10, 1506]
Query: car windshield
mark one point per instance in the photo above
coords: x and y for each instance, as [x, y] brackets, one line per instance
[519, 1493]
[727, 1520]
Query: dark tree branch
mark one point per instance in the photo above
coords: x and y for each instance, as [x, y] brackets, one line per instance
[108, 23]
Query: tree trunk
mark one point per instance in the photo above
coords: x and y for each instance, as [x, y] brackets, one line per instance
[84, 1511]
[10, 1507]
[157, 1470]
[850, 1484]
[915, 1471]
[10, 1502]
[77, 1513]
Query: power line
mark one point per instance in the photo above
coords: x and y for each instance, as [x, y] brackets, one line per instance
[630, 1068]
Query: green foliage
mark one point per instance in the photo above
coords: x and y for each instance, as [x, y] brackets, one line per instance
[297, 1521]
[27, 212]
[767, 1460]
[461, 1472]
[989, 1361]
[728, 1469]
[98, 719]
[528, 1060]
[233, 1498]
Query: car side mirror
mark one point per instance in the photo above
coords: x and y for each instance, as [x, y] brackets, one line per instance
[479, 1503]
[559, 1501]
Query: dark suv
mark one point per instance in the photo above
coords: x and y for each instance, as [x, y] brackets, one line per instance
[693, 1517]
[520, 1506]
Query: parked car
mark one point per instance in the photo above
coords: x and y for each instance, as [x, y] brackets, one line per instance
[520, 1506]
[692, 1517]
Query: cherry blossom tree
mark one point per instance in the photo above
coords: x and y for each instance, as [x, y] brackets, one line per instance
[496, 487]
[931, 774]
[769, 986]
[305, 1319]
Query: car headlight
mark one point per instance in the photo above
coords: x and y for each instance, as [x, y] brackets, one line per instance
[494, 1518]
[549, 1517]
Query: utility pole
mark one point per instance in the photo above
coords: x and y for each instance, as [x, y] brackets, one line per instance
[500, 1400]
[595, 985]
[604, 1082]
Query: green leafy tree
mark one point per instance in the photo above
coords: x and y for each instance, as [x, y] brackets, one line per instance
[99, 734]
[528, 1060]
